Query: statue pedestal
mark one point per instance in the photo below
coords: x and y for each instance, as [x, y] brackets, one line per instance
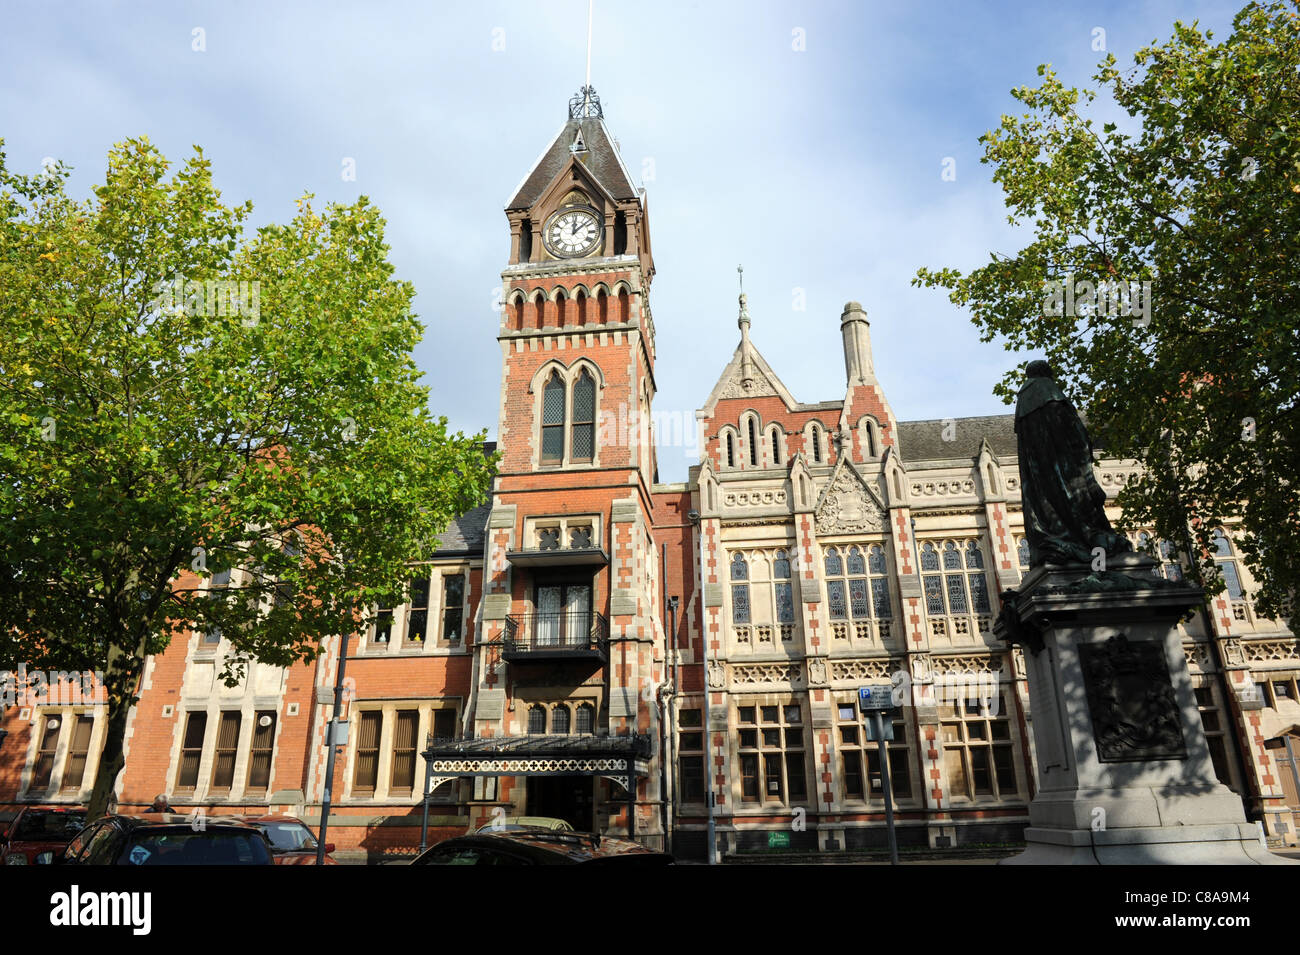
[1124, 773]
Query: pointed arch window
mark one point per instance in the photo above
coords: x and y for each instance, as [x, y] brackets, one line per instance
[782, 589]
[753, 444]
[539, 309]
[536, 720]
[553, 401]
[869, 438]
[602, 307]
[586, 718]
[560, 720]
[584, 418]
[961, 588]
[561, 308]
[858, 584]
[816, 445]
[775, 436]
[739, 589]
[731, 450]
[1223, 560]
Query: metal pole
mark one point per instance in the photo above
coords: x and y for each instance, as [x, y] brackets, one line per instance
[887, 784]
[331, 727]
[424, 823]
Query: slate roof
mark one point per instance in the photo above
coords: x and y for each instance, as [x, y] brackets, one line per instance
[923, 440]
[601, 159]
[466, 534]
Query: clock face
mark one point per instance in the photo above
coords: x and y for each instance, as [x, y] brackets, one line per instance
[572, 232]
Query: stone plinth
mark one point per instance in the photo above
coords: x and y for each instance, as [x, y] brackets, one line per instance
[1124, 772]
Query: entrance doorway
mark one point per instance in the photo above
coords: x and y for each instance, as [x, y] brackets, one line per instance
[562, 797]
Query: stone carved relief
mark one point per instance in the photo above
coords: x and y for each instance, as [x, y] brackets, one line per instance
[920, 666]
[848, 505]
[817, 671]
[717, 674]
[758, 387]
[1131, 698]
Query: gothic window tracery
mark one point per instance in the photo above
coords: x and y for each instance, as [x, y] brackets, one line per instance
[959, 586]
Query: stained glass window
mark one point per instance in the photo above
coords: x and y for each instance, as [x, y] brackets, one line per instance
[584, 417]
[553, 419]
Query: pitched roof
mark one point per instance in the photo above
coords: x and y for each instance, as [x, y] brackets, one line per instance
[601, 160]
[465, 534]
[924, 440]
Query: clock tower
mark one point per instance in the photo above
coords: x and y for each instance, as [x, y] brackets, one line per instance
[570, 633]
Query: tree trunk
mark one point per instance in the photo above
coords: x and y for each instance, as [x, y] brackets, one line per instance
[122, 679]
[111, 759]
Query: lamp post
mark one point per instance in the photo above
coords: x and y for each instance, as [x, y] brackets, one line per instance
[332, 741]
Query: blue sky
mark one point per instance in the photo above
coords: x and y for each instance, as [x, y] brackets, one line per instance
[818, 169]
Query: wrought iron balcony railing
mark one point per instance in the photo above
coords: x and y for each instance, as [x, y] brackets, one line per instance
[555, 635]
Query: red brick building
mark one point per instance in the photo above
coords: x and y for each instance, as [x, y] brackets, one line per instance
[815, 548]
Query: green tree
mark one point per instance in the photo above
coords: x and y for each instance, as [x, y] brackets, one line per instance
[177, 401]
[1199, 378]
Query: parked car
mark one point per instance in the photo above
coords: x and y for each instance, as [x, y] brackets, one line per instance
[537, 846]
[166, 839]
[292, 842]
[508, 823]
[37, 830]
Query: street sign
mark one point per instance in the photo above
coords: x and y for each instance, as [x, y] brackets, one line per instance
[871, 729]
[875, 698]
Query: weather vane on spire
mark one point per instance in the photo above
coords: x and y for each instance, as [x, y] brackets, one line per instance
[743, 320]
[585, 104]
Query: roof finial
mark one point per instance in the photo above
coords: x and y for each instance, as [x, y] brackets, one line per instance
[743, 321]
[585, 104]
[590, 6]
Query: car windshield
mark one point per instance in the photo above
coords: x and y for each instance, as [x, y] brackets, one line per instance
[49, 826]
[288, 836]
[182, 847]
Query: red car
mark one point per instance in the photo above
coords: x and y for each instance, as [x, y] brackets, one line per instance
[292, 842]
[38, 829]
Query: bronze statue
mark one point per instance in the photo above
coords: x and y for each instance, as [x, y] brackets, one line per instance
[1065, 520]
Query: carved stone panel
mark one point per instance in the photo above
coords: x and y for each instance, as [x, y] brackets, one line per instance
[1130, 695]
[848, 505]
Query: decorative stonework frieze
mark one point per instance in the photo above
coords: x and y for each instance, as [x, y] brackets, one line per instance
[953, 486]
[861, 671]
[748, 674]
[1198, 656]
[968, 663]
[755, 498]
[1263, 651]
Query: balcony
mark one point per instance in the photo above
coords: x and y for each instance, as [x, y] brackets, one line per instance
[537, 637]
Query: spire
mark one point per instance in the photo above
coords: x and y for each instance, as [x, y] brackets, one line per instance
[746, 356]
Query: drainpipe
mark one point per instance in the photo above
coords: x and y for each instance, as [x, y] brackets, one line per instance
[672, 714]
